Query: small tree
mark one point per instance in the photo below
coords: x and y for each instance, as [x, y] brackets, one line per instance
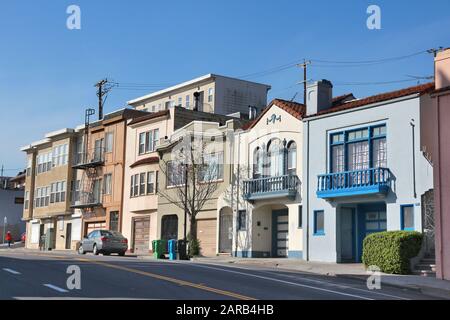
[193, 176]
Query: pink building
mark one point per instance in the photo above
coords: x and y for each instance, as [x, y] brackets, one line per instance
[440, 155]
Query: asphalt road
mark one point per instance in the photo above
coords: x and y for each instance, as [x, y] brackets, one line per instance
[36, 275]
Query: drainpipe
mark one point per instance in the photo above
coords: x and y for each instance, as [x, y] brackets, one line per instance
[413, 157]
[237, 194]
[307, 190]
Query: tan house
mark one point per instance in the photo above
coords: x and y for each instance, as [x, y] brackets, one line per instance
[214, 152]
[142, 171]
[210, 93]
[100, 161]
[47, 208]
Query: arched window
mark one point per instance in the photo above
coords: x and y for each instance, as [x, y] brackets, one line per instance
[292, 158]
[275, 163]
[257, 163]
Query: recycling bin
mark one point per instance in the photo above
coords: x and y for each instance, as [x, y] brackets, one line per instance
[172, 246]
[159, 248]
[182, 250]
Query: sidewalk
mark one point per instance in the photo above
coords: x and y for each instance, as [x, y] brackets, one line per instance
[426, 285]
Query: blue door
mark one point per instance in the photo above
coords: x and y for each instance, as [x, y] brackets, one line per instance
[280, 233]
[371, 219]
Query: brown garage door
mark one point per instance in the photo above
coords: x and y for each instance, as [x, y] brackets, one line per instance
[141, 235]
[206, 231]
[91, 226]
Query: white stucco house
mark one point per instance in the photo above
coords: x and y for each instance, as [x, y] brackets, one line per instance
[364, 169]
[260, 212]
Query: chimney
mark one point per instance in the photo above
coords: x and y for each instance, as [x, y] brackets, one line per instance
[319, 95]
[442, 69]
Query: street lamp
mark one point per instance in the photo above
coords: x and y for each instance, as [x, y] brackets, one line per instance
[5, 221]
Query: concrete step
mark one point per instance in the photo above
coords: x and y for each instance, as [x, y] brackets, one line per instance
[425, 266]
[424, 273]
[428, 261]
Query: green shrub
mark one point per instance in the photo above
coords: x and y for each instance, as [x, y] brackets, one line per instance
[391, 250]
[194, 247]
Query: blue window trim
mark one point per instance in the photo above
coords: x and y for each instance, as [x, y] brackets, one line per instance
[344, 143]
[319, 232]
[402, 217]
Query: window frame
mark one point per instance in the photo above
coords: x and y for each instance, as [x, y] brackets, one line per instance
[242, 220]
[109, 142]
[316, 231]
[402, 217]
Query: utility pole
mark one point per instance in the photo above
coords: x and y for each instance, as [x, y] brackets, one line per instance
[102, 90]
[434, 51]
[304, 65]
[1, 176]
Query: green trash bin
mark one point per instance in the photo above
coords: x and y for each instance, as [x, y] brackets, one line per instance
[159, 248]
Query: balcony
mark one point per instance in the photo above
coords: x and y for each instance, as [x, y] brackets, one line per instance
[85, 200]
[91, 159]
[271, 187]
[375, 181]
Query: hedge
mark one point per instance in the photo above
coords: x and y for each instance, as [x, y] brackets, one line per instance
[391, 251]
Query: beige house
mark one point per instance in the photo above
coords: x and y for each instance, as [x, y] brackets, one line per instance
[142, 171]
[210, 93]
[214, 151]
[47, 194]
[263, 205]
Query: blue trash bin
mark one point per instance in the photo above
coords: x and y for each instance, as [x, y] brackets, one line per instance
[172, 244]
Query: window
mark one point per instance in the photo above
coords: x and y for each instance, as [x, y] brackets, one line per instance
[213, 167]
[114, 221]
[188, 98]
[242, 220]
[136, 185]
[41, 197]
[210, 94]
[257, 163]
[175, 174]
[300, 217]
[319, 223]
[142, 184]
[132, 186]
[109, 140]
[148, 141]
[275, 158]
[75, 187]
[180, 101]
[407, 217]
[292, 158]
[57, 192]
[27, 200]
[97, 191]
[43, 163]
[363, 149]
[107, 187]
[150, 182]
[99, 149]
[29, 162]
[60, 155]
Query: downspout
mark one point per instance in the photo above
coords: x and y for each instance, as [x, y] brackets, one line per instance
[441, 258]
[307, 190]
[237, 194]
[413, 157]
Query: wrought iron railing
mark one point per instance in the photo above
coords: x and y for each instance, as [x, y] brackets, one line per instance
[267, 185]
[92, 157]
[357, 179]
[86, 199]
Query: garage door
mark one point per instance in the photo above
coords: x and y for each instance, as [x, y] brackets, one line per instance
[206, 232]
[141, 235]
[91, 226]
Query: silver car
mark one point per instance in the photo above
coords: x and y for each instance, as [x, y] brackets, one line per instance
[105, 242]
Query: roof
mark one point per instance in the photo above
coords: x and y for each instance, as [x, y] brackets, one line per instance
[341, 99]
[149, 116]
[123, 114]
[184, 84]
[297, 110]
[419, 89]
[149, 160]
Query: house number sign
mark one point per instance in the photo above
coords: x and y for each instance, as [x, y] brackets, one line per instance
[273, 118]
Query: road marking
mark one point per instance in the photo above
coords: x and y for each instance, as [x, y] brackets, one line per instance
[55, 288]
[287, 282]
[343, 286]
[11, 271]
[173, 280]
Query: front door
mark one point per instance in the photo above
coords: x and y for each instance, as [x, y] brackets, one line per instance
[169, 227]
[280, 233]
[347, 234]
[226, 232]
[371, 219]
[68, 235]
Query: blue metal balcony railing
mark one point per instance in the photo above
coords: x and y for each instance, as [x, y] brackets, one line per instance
[271, 187]
[350, 183]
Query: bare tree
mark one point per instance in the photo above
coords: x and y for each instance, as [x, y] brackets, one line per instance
[193, 173]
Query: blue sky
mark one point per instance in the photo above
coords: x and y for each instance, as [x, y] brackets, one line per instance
[47, 72]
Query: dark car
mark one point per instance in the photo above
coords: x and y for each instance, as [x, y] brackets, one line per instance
[105, 242]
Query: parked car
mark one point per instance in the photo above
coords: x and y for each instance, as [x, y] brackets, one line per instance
[105, 242]
[23, 237]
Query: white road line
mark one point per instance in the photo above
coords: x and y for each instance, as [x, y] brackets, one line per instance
[55, 288]
[269, 271]
[11, 271]
[288, 282]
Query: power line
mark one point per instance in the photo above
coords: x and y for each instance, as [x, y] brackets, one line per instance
[373, 83]
[374, 61]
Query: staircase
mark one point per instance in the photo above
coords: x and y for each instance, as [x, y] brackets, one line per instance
[426, 267]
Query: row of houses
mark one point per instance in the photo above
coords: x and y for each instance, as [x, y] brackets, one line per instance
[285, 180]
